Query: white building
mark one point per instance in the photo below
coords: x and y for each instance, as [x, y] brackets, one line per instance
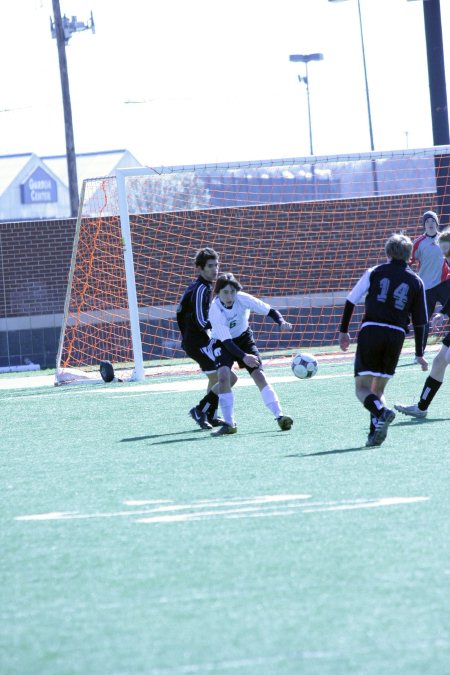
[29, 190]
[36, 188]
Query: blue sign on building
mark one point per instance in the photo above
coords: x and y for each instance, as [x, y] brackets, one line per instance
[39, 188]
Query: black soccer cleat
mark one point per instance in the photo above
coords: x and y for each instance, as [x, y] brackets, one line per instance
[381, 424]
[200, 418]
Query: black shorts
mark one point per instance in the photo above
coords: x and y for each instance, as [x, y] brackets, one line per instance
[378, 350]
[245, 342]
[204, 356]
[446, 340]
[439, 293]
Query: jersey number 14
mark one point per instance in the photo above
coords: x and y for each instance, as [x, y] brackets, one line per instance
[400, 293]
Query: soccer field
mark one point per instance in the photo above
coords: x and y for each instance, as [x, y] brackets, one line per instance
[134, 543]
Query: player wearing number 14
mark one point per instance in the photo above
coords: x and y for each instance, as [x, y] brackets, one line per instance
[394, 294]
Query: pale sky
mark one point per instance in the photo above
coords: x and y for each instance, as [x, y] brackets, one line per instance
[203, 81]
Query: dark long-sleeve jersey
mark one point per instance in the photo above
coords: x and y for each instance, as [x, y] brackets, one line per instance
[192, 314]
[446, 308]
[394, 296]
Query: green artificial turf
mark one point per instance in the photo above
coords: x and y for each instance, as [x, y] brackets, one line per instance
[134, 543]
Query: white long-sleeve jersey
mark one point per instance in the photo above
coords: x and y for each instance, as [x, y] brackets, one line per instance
[227, 324]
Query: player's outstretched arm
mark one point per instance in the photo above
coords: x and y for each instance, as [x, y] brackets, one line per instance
[276, 316]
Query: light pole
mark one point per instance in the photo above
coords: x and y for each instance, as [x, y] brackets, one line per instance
[306, 58]
[361, 34]
[438, 101]
[61, 29]
[366, 83]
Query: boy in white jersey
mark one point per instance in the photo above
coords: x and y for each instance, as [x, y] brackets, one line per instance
[228, 316]
[433, 268]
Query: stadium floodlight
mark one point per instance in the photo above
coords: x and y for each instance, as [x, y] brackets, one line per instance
[306, 58]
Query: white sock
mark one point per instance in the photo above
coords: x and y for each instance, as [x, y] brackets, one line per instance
[271, 401]
[226, 402]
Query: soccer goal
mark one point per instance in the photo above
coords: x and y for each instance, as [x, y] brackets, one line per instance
[297, 233]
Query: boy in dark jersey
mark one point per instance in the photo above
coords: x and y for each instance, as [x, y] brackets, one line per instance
[394, 294]
[192, 318]
[442, 358]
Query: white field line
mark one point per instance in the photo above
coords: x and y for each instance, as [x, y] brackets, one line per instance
[253, 507]
[49, 380]
[199, 385]
[170, 386]
[252, 665]
[243, 501]
[204, 503]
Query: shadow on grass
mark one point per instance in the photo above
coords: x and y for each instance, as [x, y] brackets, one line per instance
[404, 423]
[414, 421]
[133, 439]
[330, 452]
[187, 436]
[206, 437]
[408, 365]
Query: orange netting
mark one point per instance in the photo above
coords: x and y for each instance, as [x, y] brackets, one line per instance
[295, 235]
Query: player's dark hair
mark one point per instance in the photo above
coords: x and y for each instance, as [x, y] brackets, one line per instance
[399, 247]
[226, 279]
[203, 255]
[444, 236]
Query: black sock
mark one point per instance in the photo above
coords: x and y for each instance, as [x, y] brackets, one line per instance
[429, 391]
[209, 403]
[373, 404]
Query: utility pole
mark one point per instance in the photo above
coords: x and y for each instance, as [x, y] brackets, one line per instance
[436, 72]
[62, 29]
[438, 101]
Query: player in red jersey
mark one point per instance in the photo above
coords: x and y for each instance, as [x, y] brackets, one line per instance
[442, 358]
[433, 267]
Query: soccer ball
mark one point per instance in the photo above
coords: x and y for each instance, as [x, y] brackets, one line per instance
[304, 365]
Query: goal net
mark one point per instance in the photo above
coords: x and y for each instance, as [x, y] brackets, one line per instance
[297, 233]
